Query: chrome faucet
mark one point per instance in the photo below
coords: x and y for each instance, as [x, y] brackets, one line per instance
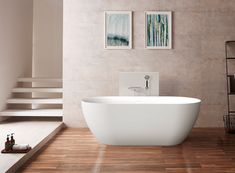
[146, 77]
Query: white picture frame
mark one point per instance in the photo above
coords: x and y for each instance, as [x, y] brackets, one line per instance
[117, 29]
[156, 38]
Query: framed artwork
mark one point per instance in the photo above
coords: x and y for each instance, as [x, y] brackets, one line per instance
[118, 30]
[158, 29]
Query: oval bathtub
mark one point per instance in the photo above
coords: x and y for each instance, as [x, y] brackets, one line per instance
[161, 121]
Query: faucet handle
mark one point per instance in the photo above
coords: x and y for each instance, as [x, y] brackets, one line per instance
[146, 77]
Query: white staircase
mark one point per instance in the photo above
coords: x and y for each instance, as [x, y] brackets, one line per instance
[36, 97]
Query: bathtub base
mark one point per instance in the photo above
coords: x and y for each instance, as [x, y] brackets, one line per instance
[141, 121]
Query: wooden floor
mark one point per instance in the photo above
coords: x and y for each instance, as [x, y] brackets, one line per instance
[76, 150]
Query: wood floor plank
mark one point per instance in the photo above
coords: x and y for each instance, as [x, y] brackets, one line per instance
[76, 150]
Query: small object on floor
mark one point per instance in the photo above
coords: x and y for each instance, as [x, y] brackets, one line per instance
[16, 151]
[8, 144]
[12, 139]
[18, 148]
[11, 147]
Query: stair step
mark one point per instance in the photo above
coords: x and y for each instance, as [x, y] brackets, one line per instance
[36, 89]
[56, 80]
[35, 101]
[34, 112]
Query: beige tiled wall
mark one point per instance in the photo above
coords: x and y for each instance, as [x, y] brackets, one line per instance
[195, 66]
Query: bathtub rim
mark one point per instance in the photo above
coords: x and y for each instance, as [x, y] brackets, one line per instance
[106, 100]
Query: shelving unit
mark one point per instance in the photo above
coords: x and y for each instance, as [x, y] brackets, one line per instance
[229, 119]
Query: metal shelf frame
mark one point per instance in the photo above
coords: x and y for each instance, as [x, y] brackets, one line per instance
[229, 93]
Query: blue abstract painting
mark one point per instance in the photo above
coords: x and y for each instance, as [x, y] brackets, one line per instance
[158, 30]
[117, 30]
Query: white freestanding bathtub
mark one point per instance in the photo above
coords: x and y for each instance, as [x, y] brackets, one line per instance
[161, 121]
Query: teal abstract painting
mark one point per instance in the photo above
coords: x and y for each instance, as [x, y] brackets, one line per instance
[158, 30]
[118, 30]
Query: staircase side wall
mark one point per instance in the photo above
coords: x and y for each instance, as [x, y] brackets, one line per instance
[16, 20]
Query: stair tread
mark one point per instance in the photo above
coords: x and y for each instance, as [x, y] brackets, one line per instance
[28, 79]
[32, 112]
[38, 89]
[35, 100]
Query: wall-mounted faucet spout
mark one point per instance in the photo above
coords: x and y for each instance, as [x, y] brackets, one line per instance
[146, 77]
